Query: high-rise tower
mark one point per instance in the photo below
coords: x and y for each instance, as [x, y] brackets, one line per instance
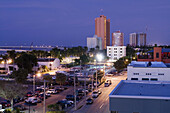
[117, 38]
[102, 29]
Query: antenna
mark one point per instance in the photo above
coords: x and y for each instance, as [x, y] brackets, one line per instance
[101, 11]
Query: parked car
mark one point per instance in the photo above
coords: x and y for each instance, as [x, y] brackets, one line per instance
[70, 97]
[20, 107]
[5, 104]
[32, 100]
[41, 96]
[89, 101]
[29, 94]
[52, 91]
[1, 109]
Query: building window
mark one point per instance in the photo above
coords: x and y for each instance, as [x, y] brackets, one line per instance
[135, 73]
[115, 54]
[109, 51]
[148, 74]
[115, 58]
[109, 54]
[120, 54]
[157, 55]
[154, 79]
[115, 48]
[145, 78]
[160, 73]
[134, 78]
[109, 48]
[115, 51]
[120, 51]
[120, 48]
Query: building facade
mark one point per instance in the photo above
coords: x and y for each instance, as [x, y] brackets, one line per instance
[137, 39]
[140, 97]
[115, 52]
[142, 39]
[157, 54]
[133, 40]
[102, 29]
[117, 38]
[93, 42]
[148, 71]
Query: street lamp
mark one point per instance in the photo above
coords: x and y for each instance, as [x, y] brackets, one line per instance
[99, 57]
[38, 75]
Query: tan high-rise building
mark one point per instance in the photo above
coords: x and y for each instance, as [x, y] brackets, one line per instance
[102, 29]
[117, 38]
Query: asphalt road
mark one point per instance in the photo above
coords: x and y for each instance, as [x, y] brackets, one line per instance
[101, 104]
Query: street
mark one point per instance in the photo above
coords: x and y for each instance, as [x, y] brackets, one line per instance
[101, 103]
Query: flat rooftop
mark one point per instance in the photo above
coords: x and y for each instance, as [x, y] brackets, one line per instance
[148, 64]
[142, 89]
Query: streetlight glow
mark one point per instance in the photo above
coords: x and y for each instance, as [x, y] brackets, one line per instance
[38, 74]
[99, 57]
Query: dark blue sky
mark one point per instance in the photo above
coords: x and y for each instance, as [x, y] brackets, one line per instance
[69, 22]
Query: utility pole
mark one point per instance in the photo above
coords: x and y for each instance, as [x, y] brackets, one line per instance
[96, 74]
[75, 105]
[44, 111]
[34, 83]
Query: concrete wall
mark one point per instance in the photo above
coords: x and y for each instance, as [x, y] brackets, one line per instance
[128, 105]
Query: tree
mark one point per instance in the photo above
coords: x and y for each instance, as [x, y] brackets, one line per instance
[119, 65]
[10, 91]
[12, 55]
[99, 75]
[20, 75]
[5, 58]
[60, 78]
[48, 79]
[26, 61]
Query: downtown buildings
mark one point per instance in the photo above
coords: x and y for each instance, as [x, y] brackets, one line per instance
[102, 29]
[137, 39]
[93, 42]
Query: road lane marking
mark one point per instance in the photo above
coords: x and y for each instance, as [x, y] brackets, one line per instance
[101, 106]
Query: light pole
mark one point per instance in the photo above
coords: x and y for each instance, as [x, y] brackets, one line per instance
[75, 105]
[44, 111]
[99, 57]
[34, 83]
[96, 74]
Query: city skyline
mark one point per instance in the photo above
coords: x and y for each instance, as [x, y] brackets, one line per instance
[68, 23]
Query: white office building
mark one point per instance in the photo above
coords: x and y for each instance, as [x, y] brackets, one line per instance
[93, 42]
[115, 52]
[148, 71]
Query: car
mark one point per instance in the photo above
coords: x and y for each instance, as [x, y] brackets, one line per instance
[106, 84]
[64, 103]
[20, 107]
[1, 109]
[109, 81]
[5, 104]
[70, 97]
[32, 100]
[52, 91]
[29, 94]
[89, 101]
[41, 96]
[95, 94]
